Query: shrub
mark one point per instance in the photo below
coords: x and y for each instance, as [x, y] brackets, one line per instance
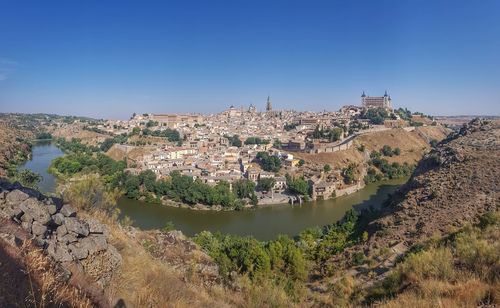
[436, 263]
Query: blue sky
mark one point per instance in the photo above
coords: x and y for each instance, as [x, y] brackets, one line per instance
[113, 58]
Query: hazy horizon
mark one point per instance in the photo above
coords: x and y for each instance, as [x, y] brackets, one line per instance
[109, 60]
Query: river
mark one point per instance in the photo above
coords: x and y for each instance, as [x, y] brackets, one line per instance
[263, 223]
[42, 155]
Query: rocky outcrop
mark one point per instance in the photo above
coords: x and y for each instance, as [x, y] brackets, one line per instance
[55, 227]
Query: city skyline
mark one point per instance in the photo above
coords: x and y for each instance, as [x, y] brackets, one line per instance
[110, 60]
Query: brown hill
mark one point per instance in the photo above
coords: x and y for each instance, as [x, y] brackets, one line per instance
[76, 130]
[452, 187]
[413, 146]
[13, 146]
[120, 151]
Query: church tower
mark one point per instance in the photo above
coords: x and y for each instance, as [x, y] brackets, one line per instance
[269, 106]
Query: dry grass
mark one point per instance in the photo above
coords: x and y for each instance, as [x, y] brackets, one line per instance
[462, 272]
[47, 289]
[413, 145]
[144, 281]
[267, 293]
[336, 160]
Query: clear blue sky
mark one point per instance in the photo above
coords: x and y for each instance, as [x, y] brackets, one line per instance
[113, 58]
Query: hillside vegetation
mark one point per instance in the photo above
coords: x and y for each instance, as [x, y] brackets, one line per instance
[434, 243]
[454, 186]
[14, 148]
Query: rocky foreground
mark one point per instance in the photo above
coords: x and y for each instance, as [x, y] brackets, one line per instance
[55, 227]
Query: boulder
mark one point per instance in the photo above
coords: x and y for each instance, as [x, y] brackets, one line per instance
[16, 196]
[51, 208]
[102, 265]
[27, 218]
[56, 201]
[58, 219]
[14, 212]
[61, 231]
[38, 229]
[95, 226]
[68, 211]
[35, 209]
[67, 238]
[95, 243]
[59, 252]
[77, 226]
[78, 251]
[26, 225]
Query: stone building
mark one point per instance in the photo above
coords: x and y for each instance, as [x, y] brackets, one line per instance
[376, 101]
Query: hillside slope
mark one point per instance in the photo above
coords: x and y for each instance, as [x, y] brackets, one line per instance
[452, 187]
[13, 146]
[413, 146]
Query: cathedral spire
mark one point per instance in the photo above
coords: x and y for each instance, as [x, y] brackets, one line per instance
[269, 106]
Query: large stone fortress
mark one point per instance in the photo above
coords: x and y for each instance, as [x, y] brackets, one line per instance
[376, 101]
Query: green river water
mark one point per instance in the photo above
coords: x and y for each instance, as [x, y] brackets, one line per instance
[263, 223]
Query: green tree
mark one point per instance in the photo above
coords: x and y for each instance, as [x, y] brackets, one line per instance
[269, 163]
[297, 185]
[28, 178]
[244, 188]
[327, 168]
[131, 186]
[135, 131]
[335, 134]
[265, 184]
[148, 179]
[350, 173]
[235, 141]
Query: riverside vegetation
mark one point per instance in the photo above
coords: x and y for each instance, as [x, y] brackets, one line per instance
[451, 259]
[84, 159]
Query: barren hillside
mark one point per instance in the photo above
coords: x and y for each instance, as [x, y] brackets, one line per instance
[413, 146]
[452, 187]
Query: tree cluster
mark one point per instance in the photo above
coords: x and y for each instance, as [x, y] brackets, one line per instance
[388, 151]
[332, 135]
[386, 169]
[375, 115]
[256, 140]
[268, 162]
[172, 135]
[349, 173]
[109, 142]
[246, 255]
[297, 185]
[234, 141]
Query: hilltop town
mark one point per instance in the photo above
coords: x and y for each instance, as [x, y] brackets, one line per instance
[288, 155]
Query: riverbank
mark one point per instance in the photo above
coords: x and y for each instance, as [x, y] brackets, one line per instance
[262, 222]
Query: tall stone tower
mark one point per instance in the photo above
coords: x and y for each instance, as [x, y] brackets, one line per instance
[269, 106]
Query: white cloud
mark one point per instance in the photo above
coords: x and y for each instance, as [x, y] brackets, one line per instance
[7, 66]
